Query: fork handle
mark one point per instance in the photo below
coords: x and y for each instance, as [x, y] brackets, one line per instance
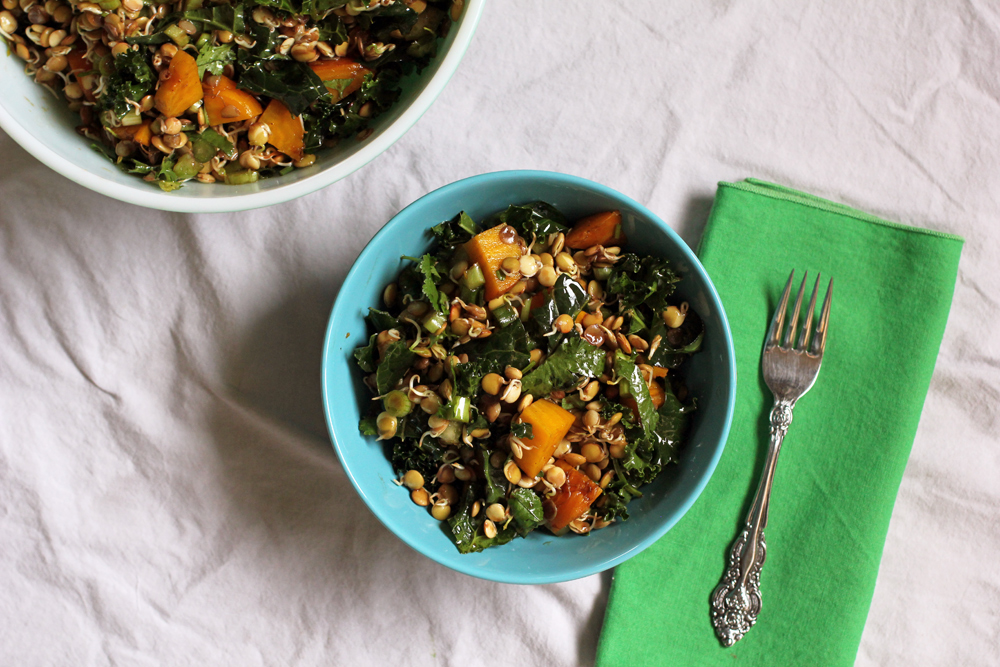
[736, 600]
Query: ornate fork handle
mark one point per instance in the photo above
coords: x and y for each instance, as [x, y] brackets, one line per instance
[736, 600]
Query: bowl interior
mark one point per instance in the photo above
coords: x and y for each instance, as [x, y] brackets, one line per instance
[43, 125]
[541, 557]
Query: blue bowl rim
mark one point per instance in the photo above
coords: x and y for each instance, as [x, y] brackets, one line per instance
[557, 178]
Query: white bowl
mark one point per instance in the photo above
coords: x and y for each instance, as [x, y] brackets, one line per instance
[44, 127]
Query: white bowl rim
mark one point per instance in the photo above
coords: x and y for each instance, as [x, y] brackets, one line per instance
[154, 198]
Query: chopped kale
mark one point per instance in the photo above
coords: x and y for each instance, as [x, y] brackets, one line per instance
[533, 220]
[526, 508]
[395, 362]
[573, 361]
[131, 80]
[455, 232]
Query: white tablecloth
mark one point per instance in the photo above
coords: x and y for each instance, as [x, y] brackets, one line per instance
[168, 494]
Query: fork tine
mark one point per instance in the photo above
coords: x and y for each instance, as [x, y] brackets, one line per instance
[819, 341]
[794, 321]
[807, 327]
[774, 332]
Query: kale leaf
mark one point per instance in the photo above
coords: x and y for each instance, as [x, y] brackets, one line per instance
[646, 280]
[208, 142]
[508, 346]
[408, 455]
[213, 59]
[632, 384]
[379, 320]
[466, 529]
[368, 425]
[572, 361]
[677, 344]
[365, 355]
[526, 508]
[496, 483]
[567, 298]
[671, 427]
[228, 17]
[456, 231]
[131, 80]
[532, 220]
[616, 499]
[292, 82]
[381, 22]
[397, 360]
[522, 430]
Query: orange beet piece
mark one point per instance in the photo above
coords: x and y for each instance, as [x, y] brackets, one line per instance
[286, 130]
[141, 133]
[221, 93]
[598, 229]
[341, 76]
[572, 500]
[488, 251]
[549, 425]
[181, 88]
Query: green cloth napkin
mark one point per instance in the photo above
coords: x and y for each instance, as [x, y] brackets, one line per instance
[844, 455]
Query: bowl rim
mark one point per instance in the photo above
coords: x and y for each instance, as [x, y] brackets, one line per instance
[571, 573]
[156, 199]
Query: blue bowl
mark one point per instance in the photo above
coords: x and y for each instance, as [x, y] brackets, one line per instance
[540, 558]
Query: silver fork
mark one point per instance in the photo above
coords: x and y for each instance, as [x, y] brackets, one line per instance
[789, 373]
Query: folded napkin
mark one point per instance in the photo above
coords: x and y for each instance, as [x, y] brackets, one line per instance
[844, 455]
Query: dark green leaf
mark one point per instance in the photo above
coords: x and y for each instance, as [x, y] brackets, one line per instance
[408, 455]
[131, 80]
[365, 355]
[228, 17]
[647, 280]
[397, 360]
[671, 428]
[381, 22]
[536, 219]
[609, 409]
[572, 361]
[213, 59]
[294, 83]
[526, 508]
[521, 430]
[379, 320]
[466, 530]
[368, 425]
[217, 142]
[616, 500]
[496, 483]
[456, 231]
[508, 346]
[678, 344]
[319, 8]
[567, 298]
[632, 384]
[282, 5]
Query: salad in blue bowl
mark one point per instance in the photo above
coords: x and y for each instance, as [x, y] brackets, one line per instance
[527, 376]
